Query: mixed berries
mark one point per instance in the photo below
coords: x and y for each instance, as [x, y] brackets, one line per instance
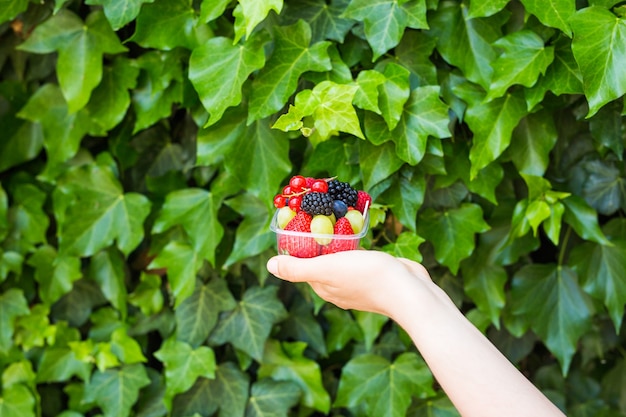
[322, 206]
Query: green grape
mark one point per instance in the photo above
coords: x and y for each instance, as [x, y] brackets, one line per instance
[284, 216]
[356, 220]
[322, 224]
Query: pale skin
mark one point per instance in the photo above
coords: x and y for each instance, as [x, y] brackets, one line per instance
[479, 380]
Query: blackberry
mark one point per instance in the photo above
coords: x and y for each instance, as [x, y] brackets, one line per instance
[342, 191]
[316, 203]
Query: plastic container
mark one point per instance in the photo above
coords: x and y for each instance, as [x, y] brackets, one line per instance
[309, 245]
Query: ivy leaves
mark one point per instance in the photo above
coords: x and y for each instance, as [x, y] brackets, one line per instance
[80, 46]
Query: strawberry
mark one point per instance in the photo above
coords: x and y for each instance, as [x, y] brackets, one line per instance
[342, 227]
[298, 246]
[362, 199]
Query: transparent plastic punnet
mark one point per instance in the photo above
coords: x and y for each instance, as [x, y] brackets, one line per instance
[309, 245]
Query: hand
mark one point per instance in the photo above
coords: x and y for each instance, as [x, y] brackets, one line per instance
[360, 279]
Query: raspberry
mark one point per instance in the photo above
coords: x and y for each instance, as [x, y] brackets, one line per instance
[317, 203]
[342, 227]
[298, 246]
[342, 191]
[362, 199]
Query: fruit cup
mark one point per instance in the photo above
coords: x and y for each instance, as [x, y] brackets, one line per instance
[309, 245]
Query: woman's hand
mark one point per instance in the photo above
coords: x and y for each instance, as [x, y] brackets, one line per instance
[360, 279]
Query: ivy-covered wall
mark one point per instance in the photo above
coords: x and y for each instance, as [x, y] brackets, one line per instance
[142, 143]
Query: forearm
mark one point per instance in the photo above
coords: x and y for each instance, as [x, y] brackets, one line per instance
[480, 381]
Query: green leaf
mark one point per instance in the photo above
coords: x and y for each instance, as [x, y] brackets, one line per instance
[248, 326]
[147, 296]
[605, 186]
[197, 315]
[29, 223]
[116, 390]
[81, 46]
[261, 161]
[99, 214]
[606, 129]
[342, 329]
[119, 12]
[55, 273]
[484, 282]
[228, 392]
[553, 13]
[405, 196]
[438, 407]
[386, 388]
[11, 8]
[17, 401]
[181, 262]
[377, 163]
[492, 123]
[59, 364]
[603, 273]
[599, 37]
[270, 398]
[253, 236]
[110, 101]
[325, 19]
[531, 143]
[212, 9]
[62, 130]
[183, 365]
[549, 299]
[414, 52]
[286, 362]
[406, 246]
[485, 8]
[386, 20]
[249, 13]
[371, 325]
[218, 69]
[126, 348]
[523, 60]
[366, 97]
[180, 28]
[452, 232]
[424, 115]
[330, 106]
[12, 305]
[303, 326]
[107, 268]
[393, 93]
[293, 55]
[464, 42]
[195, 210]
[215, 142]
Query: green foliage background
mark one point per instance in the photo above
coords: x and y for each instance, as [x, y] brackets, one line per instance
[142, 142]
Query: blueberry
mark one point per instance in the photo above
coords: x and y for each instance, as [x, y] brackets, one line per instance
[339, 208]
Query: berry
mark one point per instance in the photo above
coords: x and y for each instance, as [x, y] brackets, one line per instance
[339, 208]
[297, 183]
[319, 186]
[342, 227]
[342, 191]
[316, 203]
[295, 203]
[309, 181]
[280, 201]
[298, 246]
[287, 190]
[362, 199]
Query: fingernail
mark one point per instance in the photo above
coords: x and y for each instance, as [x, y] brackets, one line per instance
[272, 266]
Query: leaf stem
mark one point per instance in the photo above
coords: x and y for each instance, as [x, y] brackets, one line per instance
[568, 232]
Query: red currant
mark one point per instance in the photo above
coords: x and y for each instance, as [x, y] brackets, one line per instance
[294, 203]
[286, 190]
[280, 201]
[319, 186]
[297, 183]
